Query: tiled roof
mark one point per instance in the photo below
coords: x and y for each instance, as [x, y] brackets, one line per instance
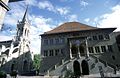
[70, 27]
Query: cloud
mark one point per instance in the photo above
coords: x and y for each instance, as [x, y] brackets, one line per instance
[111, 19]
[63, 10]
[83, 3]
[72, 17]
[46, 5]
[56, 9]
[31, 2]
[39, 25]
[87, 20]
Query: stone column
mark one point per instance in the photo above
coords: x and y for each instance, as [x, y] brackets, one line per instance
[70, 50]
[87, 51]
[78, 45]
[78, 52]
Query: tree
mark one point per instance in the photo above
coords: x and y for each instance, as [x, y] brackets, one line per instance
[36, 63]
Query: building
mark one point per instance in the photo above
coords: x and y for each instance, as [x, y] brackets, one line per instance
[15, 53]
[79, 48]
[3, 9]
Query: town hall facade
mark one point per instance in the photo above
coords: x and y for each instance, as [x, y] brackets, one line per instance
[79, 48]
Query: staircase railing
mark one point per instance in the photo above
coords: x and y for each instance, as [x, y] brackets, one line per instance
[104, 62]
[63, 61]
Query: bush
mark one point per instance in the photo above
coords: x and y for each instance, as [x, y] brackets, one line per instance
[13, 73]
[3, 74]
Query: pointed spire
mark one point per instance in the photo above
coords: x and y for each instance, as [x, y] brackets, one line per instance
[25, 15]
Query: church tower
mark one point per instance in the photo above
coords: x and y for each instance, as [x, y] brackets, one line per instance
[23, 29]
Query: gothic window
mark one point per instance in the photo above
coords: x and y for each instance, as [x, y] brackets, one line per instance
[100, 37]
[97, 49]
[103, 48]
[27, 32]
[51, 53]
[94, 37]
[90, 49]
[110, 48]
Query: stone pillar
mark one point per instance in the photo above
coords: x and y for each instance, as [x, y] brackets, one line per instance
[78, 45]
[78, 52]
[70, 50]
[87, 51]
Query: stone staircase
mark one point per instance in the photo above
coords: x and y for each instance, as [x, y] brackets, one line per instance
[67, 64]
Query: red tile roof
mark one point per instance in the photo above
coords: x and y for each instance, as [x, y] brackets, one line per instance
[70, 27]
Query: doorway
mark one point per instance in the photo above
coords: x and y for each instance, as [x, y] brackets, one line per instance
[85, 67]
[76, 68]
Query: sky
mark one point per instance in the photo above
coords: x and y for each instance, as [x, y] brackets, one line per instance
[45, 15]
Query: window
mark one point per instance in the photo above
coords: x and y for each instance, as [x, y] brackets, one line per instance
[100, 37]
[110, 48]
[57, 41]
[90, 49]
[103, 48]
[113, 57]
[62, 40]
[45, 53]
[51, 53]
[97, 49]
[62, 51]
[90, 38]
[107, 37]
[51, 41]
[94, 37]
[46, 42]
[56, 52]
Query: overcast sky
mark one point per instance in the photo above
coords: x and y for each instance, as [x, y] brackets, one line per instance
[45, 15]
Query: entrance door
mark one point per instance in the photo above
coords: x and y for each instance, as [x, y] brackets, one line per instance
[85, 67]
[76, 67]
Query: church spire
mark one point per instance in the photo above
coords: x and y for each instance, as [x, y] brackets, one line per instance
[25, 15]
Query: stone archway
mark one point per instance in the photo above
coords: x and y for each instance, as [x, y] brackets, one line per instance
[85, 67]
[76, 68]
